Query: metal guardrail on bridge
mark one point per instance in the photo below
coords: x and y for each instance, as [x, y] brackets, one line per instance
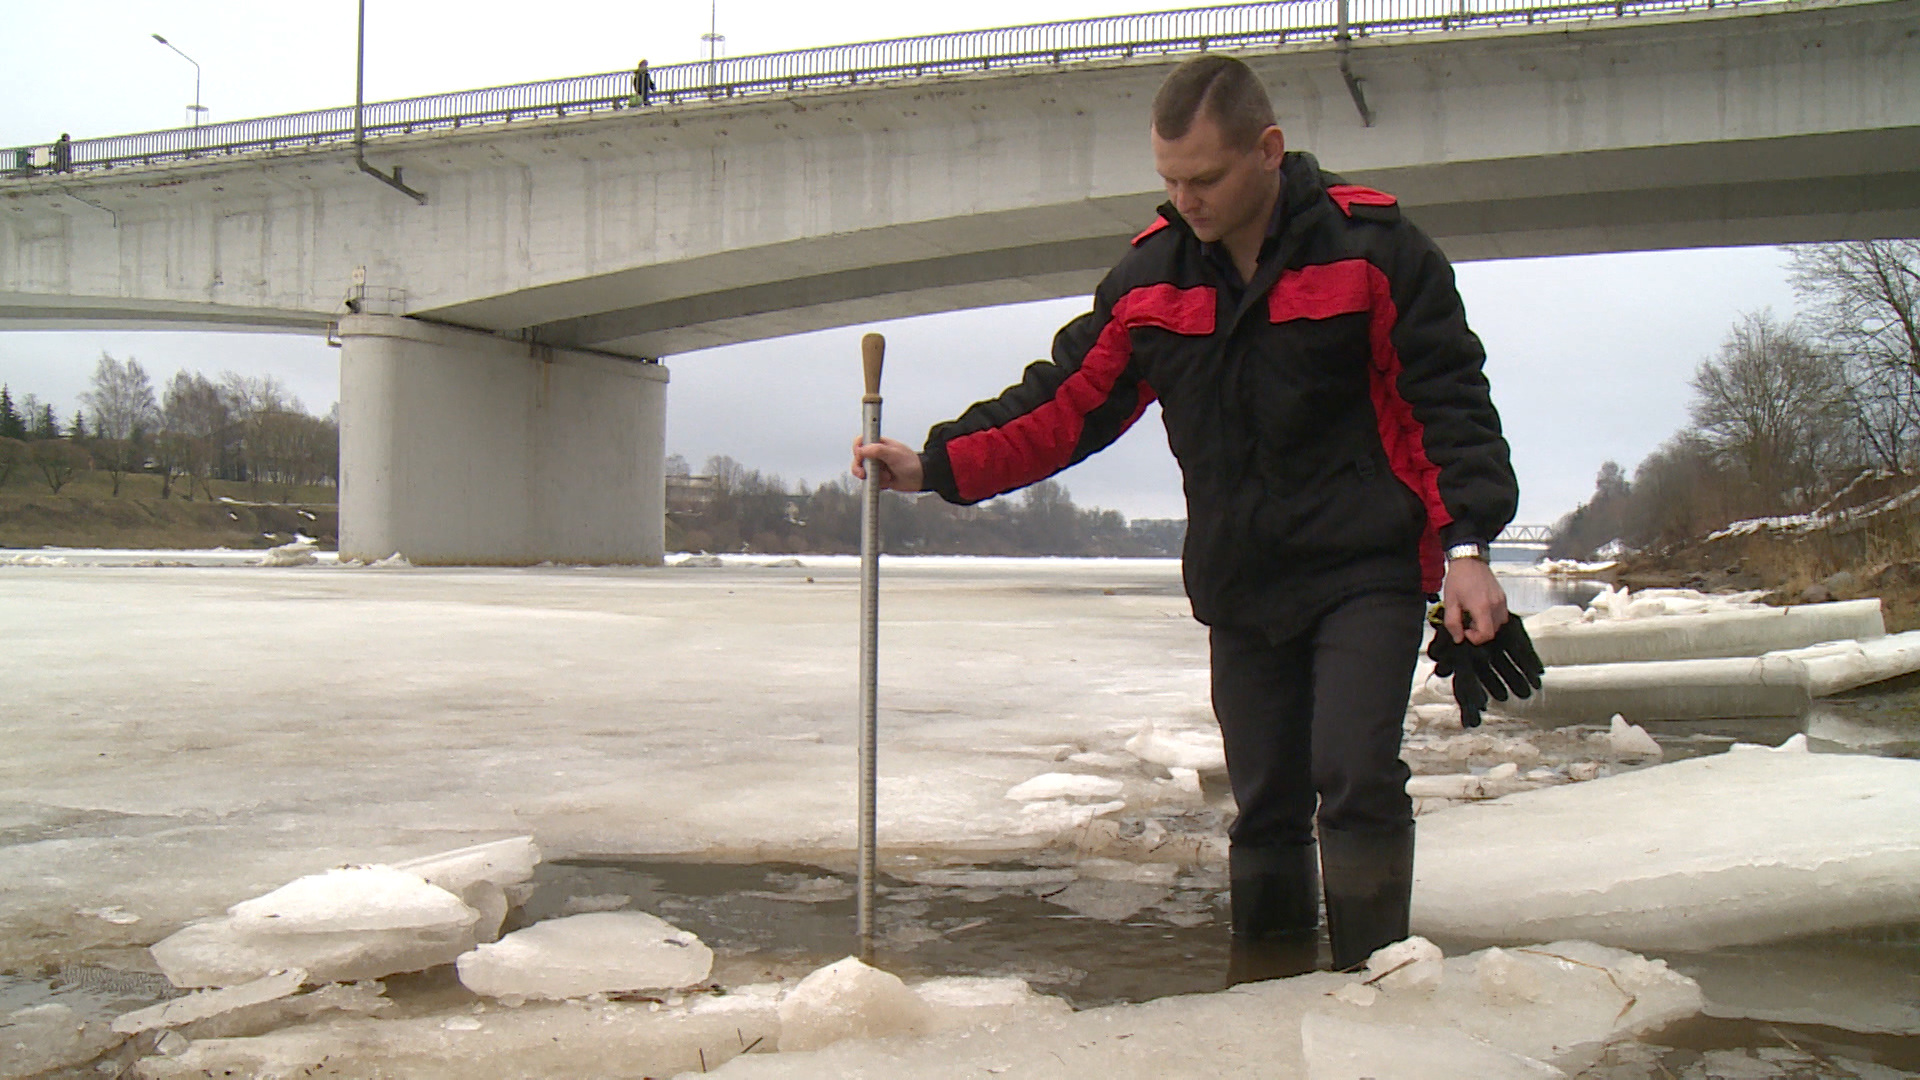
[1236, 26]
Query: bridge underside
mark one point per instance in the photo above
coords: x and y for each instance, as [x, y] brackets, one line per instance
[1859, 186]
[1812, 189]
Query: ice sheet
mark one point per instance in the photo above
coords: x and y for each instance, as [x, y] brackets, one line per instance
[1589, 996]
[208, 1003]
[555, 1039]
[1833, 983]
[1771, 685]
[257, 725]
[1340, 1048]
[1694, 627]
[1725, 850]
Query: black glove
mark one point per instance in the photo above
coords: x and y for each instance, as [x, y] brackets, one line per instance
[1507, 664]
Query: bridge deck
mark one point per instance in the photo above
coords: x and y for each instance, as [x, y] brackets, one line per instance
[1119, 37]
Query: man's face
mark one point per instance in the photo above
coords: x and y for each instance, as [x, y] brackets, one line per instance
[1218, 188]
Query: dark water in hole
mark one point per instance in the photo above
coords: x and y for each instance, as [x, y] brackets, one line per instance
[922, 931]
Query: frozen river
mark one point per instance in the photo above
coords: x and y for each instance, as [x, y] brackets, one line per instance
[182, 737]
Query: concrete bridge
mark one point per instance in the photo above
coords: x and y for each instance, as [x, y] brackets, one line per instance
[565, 241]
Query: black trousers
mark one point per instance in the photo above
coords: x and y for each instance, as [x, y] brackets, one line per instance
[1314, 720]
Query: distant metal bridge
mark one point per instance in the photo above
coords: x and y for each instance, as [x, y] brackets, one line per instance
[1117, 37]
[1525, 534]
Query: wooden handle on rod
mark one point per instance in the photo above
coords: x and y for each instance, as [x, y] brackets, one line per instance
[873, 349]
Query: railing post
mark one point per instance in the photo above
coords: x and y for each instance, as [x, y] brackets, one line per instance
[1340, 20]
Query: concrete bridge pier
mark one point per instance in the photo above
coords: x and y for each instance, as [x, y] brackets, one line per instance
[458, 447]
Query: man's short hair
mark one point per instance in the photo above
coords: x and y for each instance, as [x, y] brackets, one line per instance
[1229, 92]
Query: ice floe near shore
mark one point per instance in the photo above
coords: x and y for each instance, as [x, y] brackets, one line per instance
[1675, 654]
[1731, 849]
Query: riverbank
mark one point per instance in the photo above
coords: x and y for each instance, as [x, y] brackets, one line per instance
[87, 513]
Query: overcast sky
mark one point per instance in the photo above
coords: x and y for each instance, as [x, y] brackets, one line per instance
[1589, 356]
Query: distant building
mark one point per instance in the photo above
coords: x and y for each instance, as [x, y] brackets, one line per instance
[689, 494]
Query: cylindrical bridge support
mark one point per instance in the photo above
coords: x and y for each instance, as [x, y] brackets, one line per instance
[463, 448]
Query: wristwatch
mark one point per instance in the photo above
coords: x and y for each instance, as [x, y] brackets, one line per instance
[1472, 549]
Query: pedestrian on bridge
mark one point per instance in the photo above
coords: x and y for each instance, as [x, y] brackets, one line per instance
[63, 153]
[1341, 456]
[642, 85]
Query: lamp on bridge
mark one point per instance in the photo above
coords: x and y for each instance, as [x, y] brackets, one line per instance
[196, 109]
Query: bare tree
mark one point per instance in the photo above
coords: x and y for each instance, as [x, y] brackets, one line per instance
[198, 423]
[1678, 493]
[121, 400]
[58, 460]
[1863, 301]
[1773, 406]
[116, 456]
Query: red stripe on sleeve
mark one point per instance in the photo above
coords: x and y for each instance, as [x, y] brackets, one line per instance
[1039, 443]
[1403, 436]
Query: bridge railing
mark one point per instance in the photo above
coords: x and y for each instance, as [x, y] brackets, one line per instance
[1234, 26]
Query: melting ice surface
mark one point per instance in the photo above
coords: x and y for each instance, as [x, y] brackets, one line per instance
[263, 725]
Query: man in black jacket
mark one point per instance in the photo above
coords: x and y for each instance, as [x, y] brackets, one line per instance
[1340, 455]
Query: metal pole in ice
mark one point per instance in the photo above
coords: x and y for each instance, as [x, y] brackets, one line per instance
[873, 349]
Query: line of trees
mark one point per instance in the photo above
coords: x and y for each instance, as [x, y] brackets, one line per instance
[742, 509]
[240, 428]
[1786, 415]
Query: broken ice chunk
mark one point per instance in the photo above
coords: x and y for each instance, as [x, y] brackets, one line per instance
[353, 898]
[1502, 978]
[1109, 901]
[1059, 815]
[1630, 740]
[1065, 785]
[218, 953]
[1122, 870]
[963, 1001]
[1357, 993]
[40, 1038]
[1413, 964]
[298, 553]
[963, 878]
[849, 1000]
[502, 862]
[585, 954]
[186, 1010]
[1727, 849]
[1795, 744]
[1200, 750]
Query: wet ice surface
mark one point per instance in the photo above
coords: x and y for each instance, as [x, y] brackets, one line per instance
[184, 739]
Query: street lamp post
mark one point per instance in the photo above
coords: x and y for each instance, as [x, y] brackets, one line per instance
[197, 109]
[360, 118]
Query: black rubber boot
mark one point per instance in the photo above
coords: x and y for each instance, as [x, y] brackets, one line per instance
[1276, 912]
[1369, 882]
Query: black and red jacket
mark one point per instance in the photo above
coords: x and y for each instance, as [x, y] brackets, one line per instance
[1331, 420]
